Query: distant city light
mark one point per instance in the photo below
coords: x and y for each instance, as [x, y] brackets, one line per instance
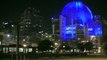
[0, 42]
[6, 23]
[81, 25]
[12, 25]
[42, 34]
[63, 46]
[79, 38]
[92, 36]
[46, 36]
[50, 36]
[24, 45]
[90, 29]
[56, 44]
[99, 49]
[51, 46]
[46, 33]
[8, 35]
[24, 40]
[52, 18]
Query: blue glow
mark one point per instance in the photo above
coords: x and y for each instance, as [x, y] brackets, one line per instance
[78, 12]
[73, 14]
[82, 25]
[95, 29]
[90, 29]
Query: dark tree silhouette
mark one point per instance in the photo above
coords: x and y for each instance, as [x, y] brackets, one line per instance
[65, 46]
[80, 46]
[88, 46]
[45, 45]
[105, 47]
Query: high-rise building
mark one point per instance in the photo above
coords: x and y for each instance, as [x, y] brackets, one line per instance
[8, 31]
[30, 25]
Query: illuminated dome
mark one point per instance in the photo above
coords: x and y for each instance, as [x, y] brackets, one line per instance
[74, 17]
[78, 12]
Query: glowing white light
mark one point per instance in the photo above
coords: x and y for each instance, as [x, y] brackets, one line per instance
[0, 42]
[99, 49]
[6, 23]
[24, 40]
[40, 32]
[63, 46]
[81, 25]
[68, 28]
[24, 45]
[92, 36]
[52, 18]
[50, 36]
[8, 35]
[51, 46]
[46, 36]
[74, 28]
[78, 38]
[90, 29]
[56, 44]
[12, 25]
[68, 32]
[46, 33]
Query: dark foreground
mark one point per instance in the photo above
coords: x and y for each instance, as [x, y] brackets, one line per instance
[52, 57]
[65, 58]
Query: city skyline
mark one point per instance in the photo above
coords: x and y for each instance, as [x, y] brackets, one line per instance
[11, 9]
[52, 28]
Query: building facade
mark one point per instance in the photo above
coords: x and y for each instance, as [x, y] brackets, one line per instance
[31, 24]
[78, 23]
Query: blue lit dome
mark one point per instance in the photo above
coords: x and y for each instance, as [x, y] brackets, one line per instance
[78, 12]
[74, 16]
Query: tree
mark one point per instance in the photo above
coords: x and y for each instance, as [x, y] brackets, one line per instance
[88, 46]
[45, 45]
[80, 46]
[105, 47]
[65, 46]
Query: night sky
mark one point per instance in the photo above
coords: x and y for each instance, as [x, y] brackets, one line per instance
[12, 9]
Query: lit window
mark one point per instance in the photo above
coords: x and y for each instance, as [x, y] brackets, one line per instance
[12, 25]
[90, 29]
[30, 49]
[5, 23]
[20, 49]
[0, 42]
[26, 25]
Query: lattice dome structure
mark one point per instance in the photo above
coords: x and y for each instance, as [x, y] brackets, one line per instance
[77, 17]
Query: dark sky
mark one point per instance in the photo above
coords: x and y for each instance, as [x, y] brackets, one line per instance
[10, 9]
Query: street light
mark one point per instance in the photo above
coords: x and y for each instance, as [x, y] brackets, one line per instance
[8, 35]
[24, 45]
[64, 46]
[56, 44]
